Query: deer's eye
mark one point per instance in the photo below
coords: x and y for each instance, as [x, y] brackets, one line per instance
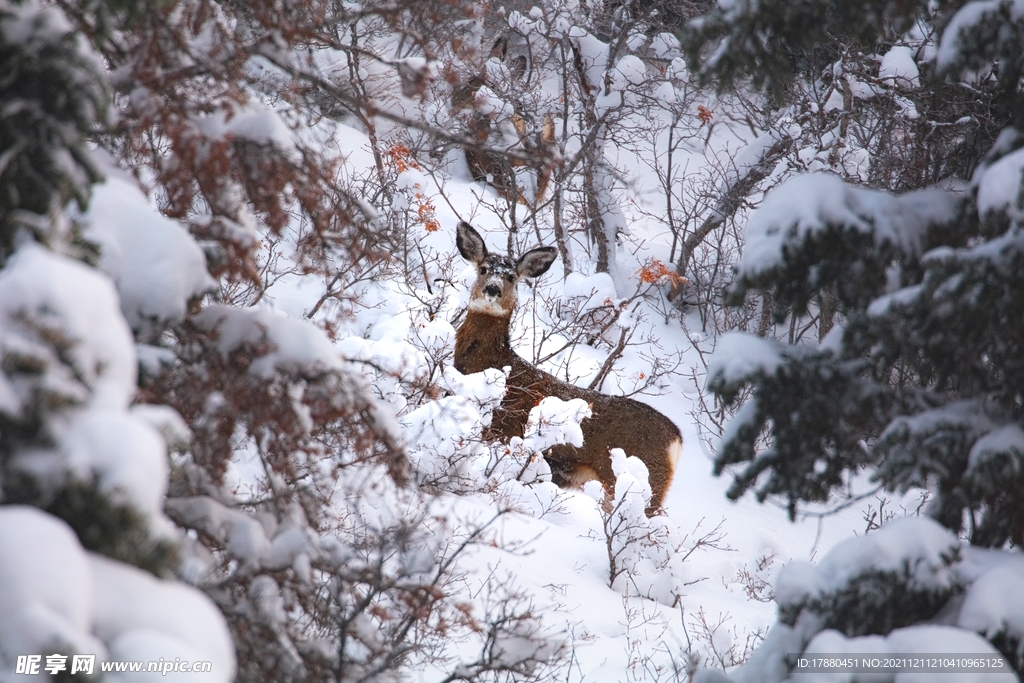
[510, 277]
[483, 270]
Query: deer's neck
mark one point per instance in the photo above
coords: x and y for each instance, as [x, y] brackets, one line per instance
[482, 342]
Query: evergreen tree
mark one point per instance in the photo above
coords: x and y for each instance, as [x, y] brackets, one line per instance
[54, 96]
[82, 477]
[921, 383]
[929, 289]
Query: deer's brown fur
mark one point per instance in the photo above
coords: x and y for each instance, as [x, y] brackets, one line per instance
[483, 341]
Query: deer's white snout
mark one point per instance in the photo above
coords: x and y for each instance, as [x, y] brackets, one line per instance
[490, 298]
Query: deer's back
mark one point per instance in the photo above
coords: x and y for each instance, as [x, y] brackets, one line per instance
[617, 422]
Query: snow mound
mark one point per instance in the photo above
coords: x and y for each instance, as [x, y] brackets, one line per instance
[125, 454]
[898, 67]
[999, 187]
[296, 345]
[45, 591]
[805, 205]
[56, 597]
[554, 421]
[46, 297]
[141, 618]
[69, 362]
[919, 544]
[254, 123]
[994, 604]
[154, 262]
[739, 355]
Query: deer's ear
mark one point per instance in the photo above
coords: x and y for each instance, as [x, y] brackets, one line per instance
[500, 48]
[536, 262]
[470, 243]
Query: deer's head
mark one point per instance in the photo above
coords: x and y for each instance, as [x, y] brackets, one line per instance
[494, 291]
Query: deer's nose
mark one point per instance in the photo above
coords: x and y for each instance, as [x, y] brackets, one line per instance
[492, 290]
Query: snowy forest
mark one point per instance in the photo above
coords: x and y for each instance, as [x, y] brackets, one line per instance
[244, 247]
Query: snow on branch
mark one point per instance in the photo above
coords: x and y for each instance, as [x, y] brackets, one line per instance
[806, 206]
[154, 262]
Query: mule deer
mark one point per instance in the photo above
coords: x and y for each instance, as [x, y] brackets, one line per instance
[537, 150]
[482, 341]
